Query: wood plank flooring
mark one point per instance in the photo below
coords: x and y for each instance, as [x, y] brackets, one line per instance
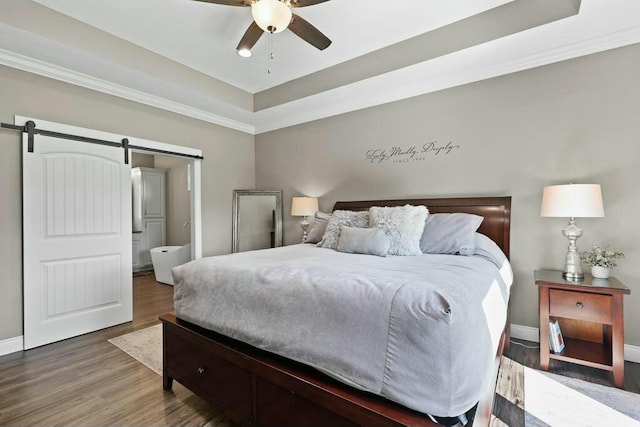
[86, 381]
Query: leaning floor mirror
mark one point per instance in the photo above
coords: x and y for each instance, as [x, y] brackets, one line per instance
[257, 220]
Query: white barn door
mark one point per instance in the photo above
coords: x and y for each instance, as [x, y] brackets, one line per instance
[77, 239]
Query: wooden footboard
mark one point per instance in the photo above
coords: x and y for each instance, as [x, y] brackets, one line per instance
[259, 388]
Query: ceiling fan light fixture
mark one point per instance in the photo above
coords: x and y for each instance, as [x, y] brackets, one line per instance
[271, 16]
[245, 53]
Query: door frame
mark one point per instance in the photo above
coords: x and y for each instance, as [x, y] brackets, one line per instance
[196, 166]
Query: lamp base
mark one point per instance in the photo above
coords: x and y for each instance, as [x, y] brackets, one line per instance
[304, 224]
[573, 263]
[572, 277]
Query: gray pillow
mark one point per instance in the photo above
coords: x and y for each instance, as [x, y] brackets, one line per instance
[339, 219]
[318, 227]
[452, 233]
[367, 241]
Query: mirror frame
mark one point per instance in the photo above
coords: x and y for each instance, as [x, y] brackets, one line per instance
[235, 242]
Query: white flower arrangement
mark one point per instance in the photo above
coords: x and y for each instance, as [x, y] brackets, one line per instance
[601, 257]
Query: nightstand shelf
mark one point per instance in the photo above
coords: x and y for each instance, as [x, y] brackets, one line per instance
[594, 355]
[590, 314]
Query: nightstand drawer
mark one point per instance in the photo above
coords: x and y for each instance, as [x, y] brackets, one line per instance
[580, 306]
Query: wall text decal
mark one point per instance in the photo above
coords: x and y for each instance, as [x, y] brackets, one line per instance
[414, 153]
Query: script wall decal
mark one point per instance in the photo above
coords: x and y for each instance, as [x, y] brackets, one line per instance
[414, 153]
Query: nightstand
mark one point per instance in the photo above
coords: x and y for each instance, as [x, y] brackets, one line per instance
[591, 318]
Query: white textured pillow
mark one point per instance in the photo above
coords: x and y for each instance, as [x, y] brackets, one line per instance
[339, 219]
[404, 225]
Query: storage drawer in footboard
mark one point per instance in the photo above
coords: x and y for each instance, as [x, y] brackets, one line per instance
[277, 407]
[206, 374]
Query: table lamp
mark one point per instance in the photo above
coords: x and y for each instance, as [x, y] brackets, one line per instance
[304, 207]
[572, 201]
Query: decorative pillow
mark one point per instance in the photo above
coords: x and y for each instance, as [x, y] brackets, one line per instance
[367, 241]
[450, 233]
[404, 225]
[339, 219]
[318, 227]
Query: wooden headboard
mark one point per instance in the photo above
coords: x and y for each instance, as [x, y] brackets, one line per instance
[495, 210]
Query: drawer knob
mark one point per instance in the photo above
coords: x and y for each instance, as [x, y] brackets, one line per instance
[579, 304]
[201, 370]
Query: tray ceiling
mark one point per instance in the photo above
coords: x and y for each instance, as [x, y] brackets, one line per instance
[179, 55]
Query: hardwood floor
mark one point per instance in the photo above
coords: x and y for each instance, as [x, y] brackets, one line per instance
[87, 381]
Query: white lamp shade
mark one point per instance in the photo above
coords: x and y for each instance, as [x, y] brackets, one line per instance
[271, 15]
[304, 206]
[572, 201]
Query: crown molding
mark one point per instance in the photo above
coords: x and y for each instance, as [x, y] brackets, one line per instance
[45, 69]
[371, 92]
[381, 90]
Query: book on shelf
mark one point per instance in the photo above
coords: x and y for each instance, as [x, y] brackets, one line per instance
[555, 337]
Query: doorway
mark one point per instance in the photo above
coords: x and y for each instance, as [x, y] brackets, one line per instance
[161, 211]
[69, 284]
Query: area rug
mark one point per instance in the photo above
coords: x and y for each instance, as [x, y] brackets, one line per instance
[533, 398]
[524, 396]
[144, 345]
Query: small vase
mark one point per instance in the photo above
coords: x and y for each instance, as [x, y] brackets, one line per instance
[600, 272]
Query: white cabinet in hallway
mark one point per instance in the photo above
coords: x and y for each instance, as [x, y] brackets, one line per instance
[149, 213]
[153, 193]
[154, 236]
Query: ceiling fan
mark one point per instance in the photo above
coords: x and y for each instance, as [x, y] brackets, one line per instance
[274, 16]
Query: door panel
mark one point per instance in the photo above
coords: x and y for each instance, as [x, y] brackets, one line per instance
[82, 195]
[154, 234]
[77, 239]
[153, 194]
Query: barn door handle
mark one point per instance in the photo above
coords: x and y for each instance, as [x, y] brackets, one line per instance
[30, 128]
[125, 146]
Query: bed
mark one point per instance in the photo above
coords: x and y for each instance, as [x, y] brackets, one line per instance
[259, 387]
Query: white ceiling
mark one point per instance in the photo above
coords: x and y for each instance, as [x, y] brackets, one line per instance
[204, 36]
[147, 51]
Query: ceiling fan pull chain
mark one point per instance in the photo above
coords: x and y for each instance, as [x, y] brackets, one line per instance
[270, 59]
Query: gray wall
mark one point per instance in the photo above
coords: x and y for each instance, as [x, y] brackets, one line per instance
[139, 160]
[229, 164]
[177, 197]
[575, 121]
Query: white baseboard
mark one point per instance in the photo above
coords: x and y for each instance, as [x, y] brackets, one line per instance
[524, 333]
[11, 345]
[631, 352]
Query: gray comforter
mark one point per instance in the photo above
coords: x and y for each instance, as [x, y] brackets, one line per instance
[421, 331]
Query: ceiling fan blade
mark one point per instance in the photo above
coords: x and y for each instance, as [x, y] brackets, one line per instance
[309, 33]
[241, 3]
[303, 3]
[250, 37]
